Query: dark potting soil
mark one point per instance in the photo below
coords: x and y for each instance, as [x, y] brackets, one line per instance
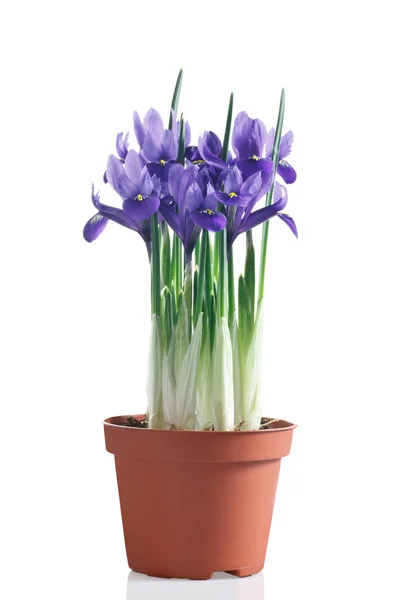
[144, 424]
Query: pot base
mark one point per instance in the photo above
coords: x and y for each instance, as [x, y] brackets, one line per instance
[196, 575]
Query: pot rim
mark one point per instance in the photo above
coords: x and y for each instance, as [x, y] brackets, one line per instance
[287, 427]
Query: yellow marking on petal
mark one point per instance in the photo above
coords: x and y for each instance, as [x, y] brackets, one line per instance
[208, 211]
[254, 157]
[284, 214]
[96, 219]
[197, 162]
[139, 197]
[232, 195]
[162, 162]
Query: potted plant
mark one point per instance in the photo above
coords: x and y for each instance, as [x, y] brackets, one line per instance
[197, 474]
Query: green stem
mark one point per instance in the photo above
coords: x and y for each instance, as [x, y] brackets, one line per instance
[250, 270]
[221, 240]
[176, 274]
[175, 97]
[222, 275]
[208, 273]
[215, 257]
[197, 253]
[275, 159]
[198, 299]
[179, 265]
[165, 254]
[155, 268]
[188, 288]
[231, 285]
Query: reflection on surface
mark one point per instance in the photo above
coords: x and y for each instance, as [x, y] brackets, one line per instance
[221, 587]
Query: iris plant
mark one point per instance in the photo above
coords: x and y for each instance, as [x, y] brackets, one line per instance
[205, 348]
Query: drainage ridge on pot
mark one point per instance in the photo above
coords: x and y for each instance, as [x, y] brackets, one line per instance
[196, 502]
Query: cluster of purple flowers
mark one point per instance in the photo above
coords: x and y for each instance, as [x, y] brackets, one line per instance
[201, 191]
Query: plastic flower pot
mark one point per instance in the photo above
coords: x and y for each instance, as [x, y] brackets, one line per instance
[196, 502]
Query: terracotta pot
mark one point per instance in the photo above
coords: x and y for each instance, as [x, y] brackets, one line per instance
[196, 502]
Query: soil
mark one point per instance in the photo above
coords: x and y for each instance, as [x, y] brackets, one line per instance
[144, 424]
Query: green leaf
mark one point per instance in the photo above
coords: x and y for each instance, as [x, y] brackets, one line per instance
[197, 252]
[175, 97]
[231, 286]
[155, 268]
[250, 270]
[215, 257]
[208, 283]
[275, 159]
[176, 273]
[165, 254]
[228, 126]
[223, 403]
[222, 275]
[245, 325]
[188, 291]
[154, 378]
[195, 293]
[166, 316]
[187, 381]
[199, 291]
[174, 307]
[212, 320]
[181, 147]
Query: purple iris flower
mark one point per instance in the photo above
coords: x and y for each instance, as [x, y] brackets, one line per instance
[251, 142]
[203, 209]
[96, 225]
[132, 181]
[246, 218]
[210, 149]
[284, 169]
[190, 205]
[158, 146]
[238, 192]
[122, 146]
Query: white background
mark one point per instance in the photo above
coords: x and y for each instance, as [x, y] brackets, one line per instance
[75, 317]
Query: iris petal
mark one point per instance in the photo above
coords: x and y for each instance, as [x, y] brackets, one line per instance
[145, 183]
[266, 213]
[194, 197]
[240, 135]
[208, 148]
[141, 209]
[118, 179]
[152, 148]
[169, 146]
[257, 138]
[171, 216]
[286, 145]
[233, 181]
[252, 186]
[133, 165]
[289, 222]
[139, 129]
[122, 145]
[250, 166]
[94, 227]
[287, 172]
[224, 198]
[212, 221]
[174, 178]
[153, 125]
[160, 171]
